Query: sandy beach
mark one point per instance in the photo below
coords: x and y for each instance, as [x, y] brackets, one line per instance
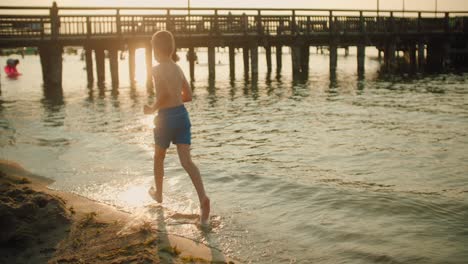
[40, 225]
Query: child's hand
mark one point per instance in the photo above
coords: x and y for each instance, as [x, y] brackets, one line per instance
[148, 109]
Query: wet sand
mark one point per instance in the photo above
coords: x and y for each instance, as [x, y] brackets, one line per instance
[40, 225]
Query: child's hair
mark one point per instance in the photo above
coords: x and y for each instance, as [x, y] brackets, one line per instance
[164, 42]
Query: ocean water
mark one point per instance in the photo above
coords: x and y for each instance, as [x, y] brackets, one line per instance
[319, 170]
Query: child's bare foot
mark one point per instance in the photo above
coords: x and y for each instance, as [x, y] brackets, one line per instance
[155, 195]
[205, 211]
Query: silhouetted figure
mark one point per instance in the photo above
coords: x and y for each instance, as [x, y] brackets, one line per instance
[172, 124]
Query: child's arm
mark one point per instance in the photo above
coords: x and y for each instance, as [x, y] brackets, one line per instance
[186, 90]
[150, 109]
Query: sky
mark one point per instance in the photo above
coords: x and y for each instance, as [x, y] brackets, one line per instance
[422, 5]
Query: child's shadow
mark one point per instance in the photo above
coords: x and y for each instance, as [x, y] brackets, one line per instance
[216, 255]
[166, 251]
[173, 245]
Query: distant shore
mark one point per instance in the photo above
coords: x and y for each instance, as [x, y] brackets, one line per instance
[40, 225]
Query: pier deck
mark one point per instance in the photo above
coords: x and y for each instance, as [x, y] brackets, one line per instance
[430, 39]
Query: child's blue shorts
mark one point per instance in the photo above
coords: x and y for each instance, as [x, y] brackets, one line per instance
[172, 124]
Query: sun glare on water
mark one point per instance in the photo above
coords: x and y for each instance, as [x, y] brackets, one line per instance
[135, 195]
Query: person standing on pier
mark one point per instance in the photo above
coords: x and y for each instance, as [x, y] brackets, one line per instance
[172, 124]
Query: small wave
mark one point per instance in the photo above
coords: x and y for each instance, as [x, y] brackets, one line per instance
[57, 142]
[357, 183]
[383, 258]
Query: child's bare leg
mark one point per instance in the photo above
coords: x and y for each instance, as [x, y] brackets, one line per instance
[159, 155]
[186, 160]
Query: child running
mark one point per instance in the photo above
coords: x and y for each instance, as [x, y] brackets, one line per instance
[172, 122]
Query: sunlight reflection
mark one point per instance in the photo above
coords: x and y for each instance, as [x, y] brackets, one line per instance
[135, 196]
[140, 66]
[147, 120]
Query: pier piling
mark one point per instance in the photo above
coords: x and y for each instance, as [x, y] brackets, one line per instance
[268, 57]
[300, 58]
[51, 62]
[412, 57]
[131, 64]
[191, 56]
[389, 56]
[279, 58]
[245, 53]
[361, 55]
[421, 59]
[254, 59]
[445, 54]
[211, 62]
[100, 67]
[333, 57]
[149, 66]
[295, 59]
[232, 62]
[89, 65]
[437, 55]
[114, 67]
[304, 58]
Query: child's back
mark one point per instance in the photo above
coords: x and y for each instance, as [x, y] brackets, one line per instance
[170, 84]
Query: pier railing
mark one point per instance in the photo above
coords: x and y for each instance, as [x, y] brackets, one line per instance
[73, 22]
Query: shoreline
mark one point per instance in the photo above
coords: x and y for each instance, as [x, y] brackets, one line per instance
[42, 225]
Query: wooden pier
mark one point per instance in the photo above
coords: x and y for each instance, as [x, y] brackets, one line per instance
[429, 41]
